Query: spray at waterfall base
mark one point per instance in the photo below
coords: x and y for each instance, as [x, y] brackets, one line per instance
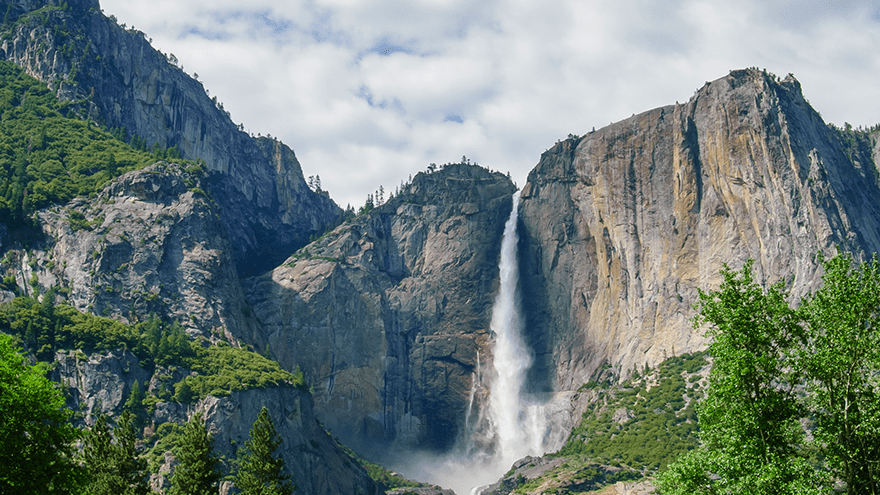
[511, 424]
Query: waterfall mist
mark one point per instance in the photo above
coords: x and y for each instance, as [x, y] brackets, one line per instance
[511, 424]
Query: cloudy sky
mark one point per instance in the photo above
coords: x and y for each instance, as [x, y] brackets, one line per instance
[368, 92]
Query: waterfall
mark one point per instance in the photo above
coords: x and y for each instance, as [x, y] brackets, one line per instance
[517, 422]
[511, 424]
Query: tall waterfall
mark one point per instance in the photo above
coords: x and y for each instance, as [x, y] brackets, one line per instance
[511, 424]
[516, 422]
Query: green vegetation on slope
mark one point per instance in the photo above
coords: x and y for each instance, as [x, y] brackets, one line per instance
[48, 155]
[385, 478]
[220, 369]
[646, 422]
[630, 431]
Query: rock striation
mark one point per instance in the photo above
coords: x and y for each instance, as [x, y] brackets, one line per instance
[621, 226]
[117, 79]
[386, 314]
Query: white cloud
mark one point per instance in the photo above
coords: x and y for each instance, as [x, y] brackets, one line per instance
[369, 92]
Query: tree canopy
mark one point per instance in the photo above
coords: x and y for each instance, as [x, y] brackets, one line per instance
[114, 468]
[777, 369]
[198, 470]
[36, 439]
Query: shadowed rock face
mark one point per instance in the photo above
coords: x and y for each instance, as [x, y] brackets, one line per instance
[386, 314]
[119, 80]
[621, 226]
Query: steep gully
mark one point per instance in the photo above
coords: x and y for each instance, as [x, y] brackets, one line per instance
[514, 423]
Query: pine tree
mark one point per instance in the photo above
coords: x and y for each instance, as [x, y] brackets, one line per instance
[98, 454]
[135, 405]
[115, 468]
[130, 464]
[260, 472]
[197, 472]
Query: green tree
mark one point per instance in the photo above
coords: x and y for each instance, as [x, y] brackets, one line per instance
[36, 439]
[135, 405]
[131, 464]
[259, 471]
[197, 472]
[115, 468]
[841, 360]
[749, 419]
[98, 456]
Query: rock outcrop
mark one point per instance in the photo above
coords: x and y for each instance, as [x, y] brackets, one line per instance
[386, 315]
[621, 226]
[100, 384]
[150, 242]
[116, 78]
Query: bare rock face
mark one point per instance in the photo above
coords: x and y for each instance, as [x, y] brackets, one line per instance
[118, 79]
[620, 227]
[98, 384]
[386, 314]
[151, 242]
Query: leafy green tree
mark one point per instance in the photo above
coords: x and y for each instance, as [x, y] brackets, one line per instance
[749, 419]
[841, 361]
[115, 468]
[260, 472]
[197, 472]
[36, 439]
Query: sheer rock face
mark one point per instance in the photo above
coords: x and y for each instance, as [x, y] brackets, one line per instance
[620, 227]
[118, 79]
[151, 242]
[386, 314]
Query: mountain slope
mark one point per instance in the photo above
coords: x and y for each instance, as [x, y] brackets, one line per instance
[386, 315]
[117, 79]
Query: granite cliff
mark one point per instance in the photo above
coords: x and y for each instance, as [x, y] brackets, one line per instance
[386, 314]
[150, 242]
[621, 226]
[117, 79]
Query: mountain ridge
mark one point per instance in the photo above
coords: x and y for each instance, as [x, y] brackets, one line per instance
[120, 81]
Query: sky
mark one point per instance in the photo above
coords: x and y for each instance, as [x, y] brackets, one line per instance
[369, 92]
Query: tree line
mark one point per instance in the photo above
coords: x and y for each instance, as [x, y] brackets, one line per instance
[793, 403]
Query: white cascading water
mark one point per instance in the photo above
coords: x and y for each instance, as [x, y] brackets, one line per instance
[518, 423]
[511, 424]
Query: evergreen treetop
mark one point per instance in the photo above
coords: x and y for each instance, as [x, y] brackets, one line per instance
[260, 472]
[198, 470]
